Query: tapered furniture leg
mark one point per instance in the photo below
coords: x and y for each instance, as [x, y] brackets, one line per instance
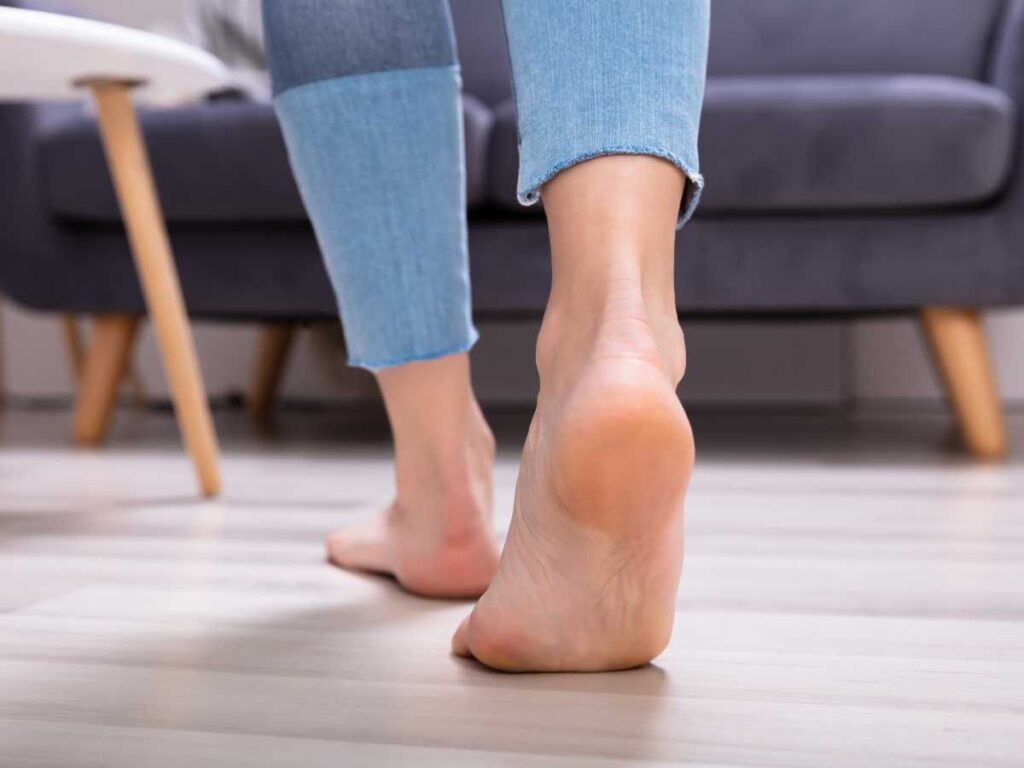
[134, 382]
[100, 374]
[76, 359]
[147, 233]
[3, 361]
[960, 350]
[73, 344]
[275, 344]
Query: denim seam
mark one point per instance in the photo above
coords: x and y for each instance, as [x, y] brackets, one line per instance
[321, 81]
[474, 337]
[532, 194]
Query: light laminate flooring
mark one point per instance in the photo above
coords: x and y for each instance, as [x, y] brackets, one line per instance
[853, 596]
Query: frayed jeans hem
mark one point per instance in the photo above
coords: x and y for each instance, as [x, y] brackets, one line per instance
[375, 366]
[529, 192]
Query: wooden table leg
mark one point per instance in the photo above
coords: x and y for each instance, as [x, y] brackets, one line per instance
[151, 248]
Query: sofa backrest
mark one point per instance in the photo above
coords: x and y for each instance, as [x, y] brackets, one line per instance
[480, 31]
[777, 37]
[783, 37]
[787, 37]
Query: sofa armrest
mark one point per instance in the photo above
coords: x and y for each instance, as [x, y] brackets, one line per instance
[32, 245]
[1006, 72]
[1007, 67]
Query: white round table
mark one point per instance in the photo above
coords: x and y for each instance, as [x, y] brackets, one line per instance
[45, 56]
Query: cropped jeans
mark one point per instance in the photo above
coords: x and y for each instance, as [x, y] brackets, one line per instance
[368, 96]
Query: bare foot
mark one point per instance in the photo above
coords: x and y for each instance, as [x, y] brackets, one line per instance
[437, 537]
[423, 562]
[591, 566]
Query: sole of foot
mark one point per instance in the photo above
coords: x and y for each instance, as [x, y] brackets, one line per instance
[588, 578]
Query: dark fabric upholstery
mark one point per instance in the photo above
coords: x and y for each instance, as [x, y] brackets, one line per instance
[768, 144]
[219, 162]
[787, 37]
[854, 143]
[1007, 74]
[786, 265]
[732, 265]
[480, 33]
[801, 37]
[969, 251]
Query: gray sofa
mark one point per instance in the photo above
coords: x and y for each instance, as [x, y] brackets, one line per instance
[862, 156]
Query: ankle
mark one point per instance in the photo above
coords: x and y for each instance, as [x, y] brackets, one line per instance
[445, 511]
[448, 483]
[619, 320]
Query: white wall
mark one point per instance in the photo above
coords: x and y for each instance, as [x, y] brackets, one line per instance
[743, 363]
[140, 13]
[888, 360]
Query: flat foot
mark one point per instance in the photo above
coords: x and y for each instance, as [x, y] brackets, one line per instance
[421, 561]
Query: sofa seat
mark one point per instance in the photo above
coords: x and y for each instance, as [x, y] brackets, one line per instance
[769, 145]
[222, 162]
[855, 143]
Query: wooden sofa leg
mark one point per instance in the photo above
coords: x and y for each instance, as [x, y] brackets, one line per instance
[102, 372]
[960, 350]
[76, 359]
[275, 344]
[73, 344]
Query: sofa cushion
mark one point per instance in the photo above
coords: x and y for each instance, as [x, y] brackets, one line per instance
[219, 162]
[788, 37]
[856, 143]
[805, 37]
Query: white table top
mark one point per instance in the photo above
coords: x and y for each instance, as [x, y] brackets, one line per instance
[43, 56]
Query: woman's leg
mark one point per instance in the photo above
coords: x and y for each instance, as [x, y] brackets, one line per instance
[367, 92]
[609, 95]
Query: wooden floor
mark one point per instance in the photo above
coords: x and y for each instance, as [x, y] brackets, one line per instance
[853, 596]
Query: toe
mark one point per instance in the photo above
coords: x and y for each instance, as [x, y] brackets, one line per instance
[360, 548]
[460, 640]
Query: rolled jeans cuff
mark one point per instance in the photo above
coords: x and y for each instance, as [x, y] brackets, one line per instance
[615, 77]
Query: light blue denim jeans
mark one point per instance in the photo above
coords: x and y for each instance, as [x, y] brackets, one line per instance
[368, 95]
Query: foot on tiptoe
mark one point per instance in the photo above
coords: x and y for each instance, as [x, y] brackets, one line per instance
[589, 575]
